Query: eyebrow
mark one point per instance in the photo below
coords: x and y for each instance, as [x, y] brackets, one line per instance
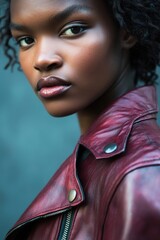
[60, 16]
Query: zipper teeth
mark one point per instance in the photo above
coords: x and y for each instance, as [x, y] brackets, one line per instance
[34, 219]
[67, 225]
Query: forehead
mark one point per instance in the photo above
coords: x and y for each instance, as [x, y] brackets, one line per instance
[30, 7]
[44, 3]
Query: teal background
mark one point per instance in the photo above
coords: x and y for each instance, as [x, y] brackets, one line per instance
[32, 145]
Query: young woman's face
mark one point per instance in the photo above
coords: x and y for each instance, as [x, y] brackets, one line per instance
[70, 51]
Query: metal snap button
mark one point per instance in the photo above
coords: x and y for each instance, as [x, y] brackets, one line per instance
[110, 148]
[72, 195]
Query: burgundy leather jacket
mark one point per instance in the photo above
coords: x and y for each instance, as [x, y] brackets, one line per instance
[109, 188]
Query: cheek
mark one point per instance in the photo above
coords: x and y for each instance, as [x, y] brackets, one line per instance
[96, 59]
[24, 62]
[26, 65]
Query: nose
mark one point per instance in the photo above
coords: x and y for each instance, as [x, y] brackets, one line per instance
[46, 56]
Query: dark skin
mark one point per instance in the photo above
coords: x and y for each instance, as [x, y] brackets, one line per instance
[81, 45]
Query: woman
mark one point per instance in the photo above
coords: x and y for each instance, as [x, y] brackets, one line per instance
[88, 57]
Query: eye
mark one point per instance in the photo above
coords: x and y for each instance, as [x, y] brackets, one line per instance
[73, 30]
[25, 42]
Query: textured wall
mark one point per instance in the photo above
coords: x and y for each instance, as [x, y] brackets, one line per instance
[32, 145]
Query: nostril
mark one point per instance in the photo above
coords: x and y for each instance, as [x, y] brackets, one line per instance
[47, 66]
[52, 66]
[35, 67]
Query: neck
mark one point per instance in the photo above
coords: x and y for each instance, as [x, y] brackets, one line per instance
[124, 84]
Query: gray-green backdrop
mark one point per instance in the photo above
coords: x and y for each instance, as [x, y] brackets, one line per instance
[32, 145]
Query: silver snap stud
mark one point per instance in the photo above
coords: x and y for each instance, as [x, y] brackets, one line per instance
[110, 148]
[72, 195]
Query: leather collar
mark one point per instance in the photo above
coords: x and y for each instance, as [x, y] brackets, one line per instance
[108, 136]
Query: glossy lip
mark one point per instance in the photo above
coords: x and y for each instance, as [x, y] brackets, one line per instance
[52, 86]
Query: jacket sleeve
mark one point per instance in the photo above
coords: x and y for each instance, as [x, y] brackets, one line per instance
[134, 212]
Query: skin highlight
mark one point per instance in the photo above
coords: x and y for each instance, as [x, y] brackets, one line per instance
[84, 48]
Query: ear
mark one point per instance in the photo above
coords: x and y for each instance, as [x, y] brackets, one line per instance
[127, 40]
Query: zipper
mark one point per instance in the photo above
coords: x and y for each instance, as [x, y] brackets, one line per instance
[66, 225]
[34, 219]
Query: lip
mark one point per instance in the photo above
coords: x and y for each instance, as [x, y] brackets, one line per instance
[52, 86]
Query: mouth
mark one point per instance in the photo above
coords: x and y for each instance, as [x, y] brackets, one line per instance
[52, 86]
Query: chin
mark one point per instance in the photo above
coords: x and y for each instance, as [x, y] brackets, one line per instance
[59, 113]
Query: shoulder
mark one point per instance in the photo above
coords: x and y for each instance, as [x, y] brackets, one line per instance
[136, 203]
[142, 185]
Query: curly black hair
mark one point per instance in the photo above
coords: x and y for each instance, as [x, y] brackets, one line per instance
[138, 17]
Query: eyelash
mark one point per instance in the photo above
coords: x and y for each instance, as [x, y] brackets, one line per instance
[79, 27]
[19, 41]
[76, 26]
